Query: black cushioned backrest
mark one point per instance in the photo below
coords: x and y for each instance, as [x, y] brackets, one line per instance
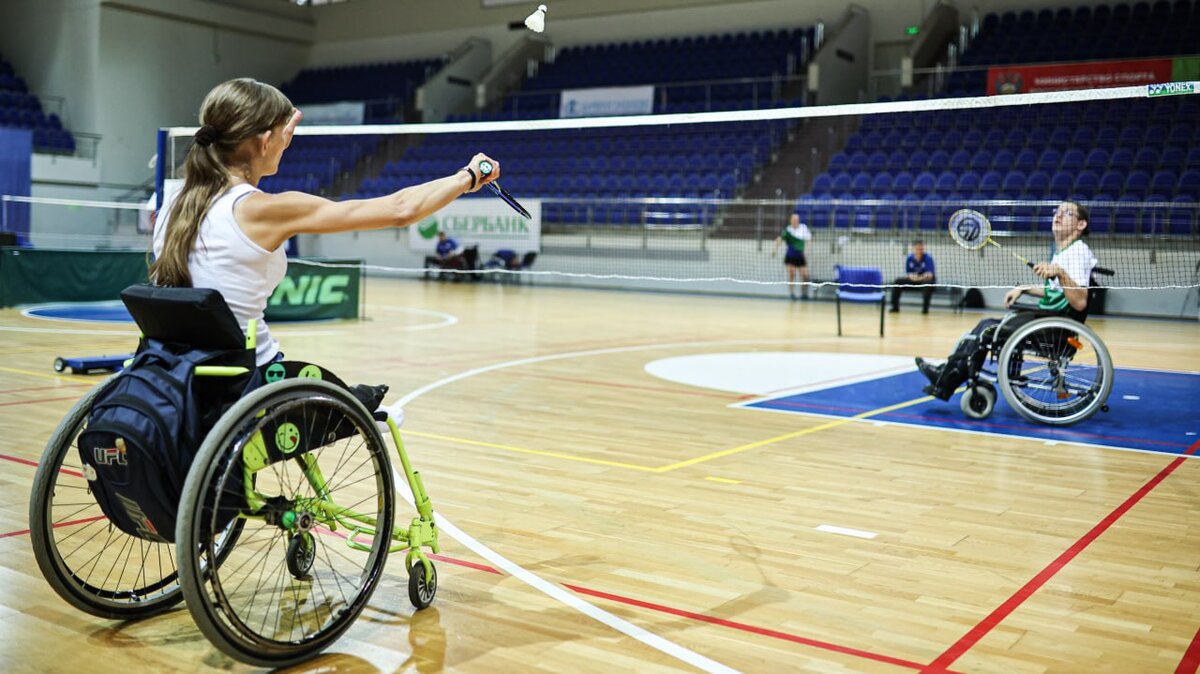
[196, 317]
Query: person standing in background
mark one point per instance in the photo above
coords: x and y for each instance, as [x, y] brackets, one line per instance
[796, 235]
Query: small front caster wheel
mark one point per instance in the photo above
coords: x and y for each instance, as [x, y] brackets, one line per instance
[421, 589]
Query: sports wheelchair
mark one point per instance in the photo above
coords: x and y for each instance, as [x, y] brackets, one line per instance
[1051, 368]
[275, 554]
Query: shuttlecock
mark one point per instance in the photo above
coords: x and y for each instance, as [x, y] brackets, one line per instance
[537, 21]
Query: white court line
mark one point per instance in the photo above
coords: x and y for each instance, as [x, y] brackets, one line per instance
[447, 319]
[396, 410]
[857, 533]
[554, 591]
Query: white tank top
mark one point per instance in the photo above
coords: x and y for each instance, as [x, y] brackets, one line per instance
[225, 259]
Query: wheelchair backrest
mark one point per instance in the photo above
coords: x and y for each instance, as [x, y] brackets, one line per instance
[196, 317]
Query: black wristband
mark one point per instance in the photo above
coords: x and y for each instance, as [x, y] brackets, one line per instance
[471, 172]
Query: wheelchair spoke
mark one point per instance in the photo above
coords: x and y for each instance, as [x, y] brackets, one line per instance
[284, 587]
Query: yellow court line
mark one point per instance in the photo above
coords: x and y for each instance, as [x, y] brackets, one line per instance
[723, 480]
[788, 436]
[523, 450]
[57, 377]
[682, 464]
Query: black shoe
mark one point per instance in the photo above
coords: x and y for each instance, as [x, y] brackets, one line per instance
[925, 310]
[936, 392]
[369, 396]
[932, 372]
[894, 310]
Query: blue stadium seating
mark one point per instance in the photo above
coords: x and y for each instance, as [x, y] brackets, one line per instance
[386, 88]
[23, 110]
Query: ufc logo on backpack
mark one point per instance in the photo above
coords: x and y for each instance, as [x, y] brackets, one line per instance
[106, 456]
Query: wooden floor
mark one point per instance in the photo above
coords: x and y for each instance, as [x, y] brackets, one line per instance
[662, 505]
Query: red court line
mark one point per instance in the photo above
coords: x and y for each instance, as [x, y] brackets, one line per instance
[582, 590]
[39, 400]
[43, 388]
[993, 619]
[747, 628]
[823, 385]
[984, 424]
[1191, 658]
[27, 462]
[56, 526]
[469, 565]
[17, 459]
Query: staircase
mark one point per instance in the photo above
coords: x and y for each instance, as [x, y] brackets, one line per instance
[797, 163]
[392, 147]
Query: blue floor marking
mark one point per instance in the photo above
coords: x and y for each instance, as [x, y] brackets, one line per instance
[104, 312]
[1166, 410]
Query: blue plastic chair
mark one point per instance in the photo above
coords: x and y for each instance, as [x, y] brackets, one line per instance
[859, 284]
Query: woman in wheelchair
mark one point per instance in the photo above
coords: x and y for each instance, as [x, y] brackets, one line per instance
[259, 491]
[222, 232]
[1063, 294]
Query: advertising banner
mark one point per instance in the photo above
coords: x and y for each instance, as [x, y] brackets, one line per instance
[1186, 69]
[311, 292]
[1026, 79]
[334, 114]
[487, 223]
[607, 102]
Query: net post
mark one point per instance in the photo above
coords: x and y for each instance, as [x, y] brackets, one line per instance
[159, 171]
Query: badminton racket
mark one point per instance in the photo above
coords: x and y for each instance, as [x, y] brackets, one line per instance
[972, 230]
[485, 169]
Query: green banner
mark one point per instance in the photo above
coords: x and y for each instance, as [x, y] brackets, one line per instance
[31, 276]
[1186, 69]
[311, 292]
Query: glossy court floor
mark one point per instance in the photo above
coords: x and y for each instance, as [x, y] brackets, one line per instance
[605, 447]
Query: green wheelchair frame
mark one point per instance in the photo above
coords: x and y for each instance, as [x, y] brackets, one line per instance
[125, 592]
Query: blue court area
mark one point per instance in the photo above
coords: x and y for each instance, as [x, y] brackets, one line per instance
[101, 312]
[1149, 410]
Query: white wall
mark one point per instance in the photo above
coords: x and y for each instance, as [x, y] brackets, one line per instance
[841, 68]
[156, 71]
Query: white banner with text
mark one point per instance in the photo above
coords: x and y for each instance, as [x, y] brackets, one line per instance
[607, 102]
[487, 223]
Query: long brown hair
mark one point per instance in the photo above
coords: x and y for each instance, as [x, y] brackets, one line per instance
[232, 112]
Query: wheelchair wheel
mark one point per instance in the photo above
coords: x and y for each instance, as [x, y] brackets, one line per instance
[1055, 371]
[978, 400]
[422, 586]
[308, 560]
[91, 564]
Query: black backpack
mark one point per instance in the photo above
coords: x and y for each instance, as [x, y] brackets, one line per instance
[142, 435]
[145, 429]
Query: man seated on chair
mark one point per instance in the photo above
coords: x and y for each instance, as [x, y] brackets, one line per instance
[449, 254]
[918, 271]
[1064, 290]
